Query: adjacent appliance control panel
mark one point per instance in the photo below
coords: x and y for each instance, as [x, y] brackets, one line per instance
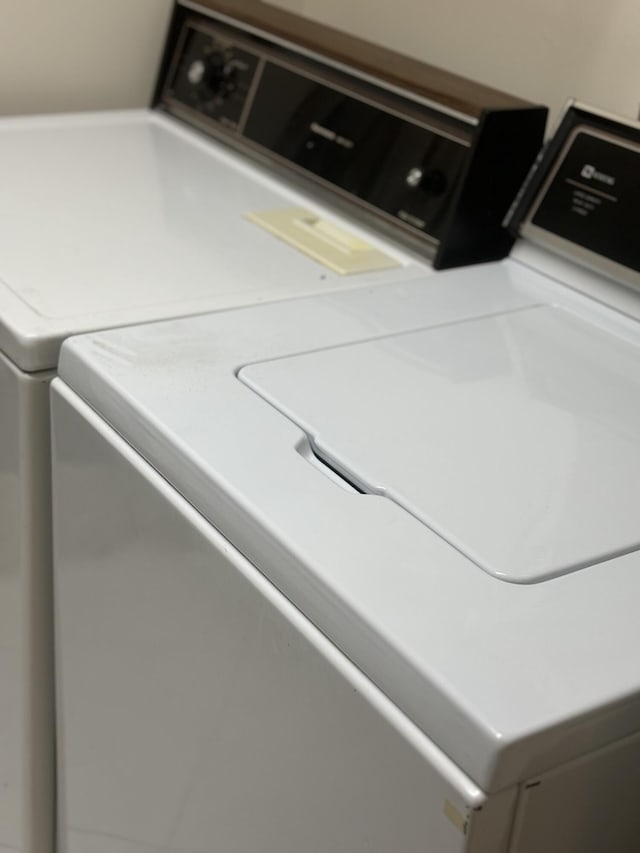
[582, 198]
[434, 175]
[213, 75]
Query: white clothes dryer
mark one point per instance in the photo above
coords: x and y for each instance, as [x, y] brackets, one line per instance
[360, 571]
[126, 217]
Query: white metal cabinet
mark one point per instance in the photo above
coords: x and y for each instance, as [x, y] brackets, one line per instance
[124, 206]
[26, 674]
[236, 725]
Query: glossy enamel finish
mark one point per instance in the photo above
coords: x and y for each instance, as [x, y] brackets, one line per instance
[508, 679]
[106, 220]
[200, 710]
[11, 639]
[515, 437]
[26, 672]
[137, 218]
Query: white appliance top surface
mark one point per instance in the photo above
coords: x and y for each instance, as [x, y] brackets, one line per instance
[116, 218]
[515, 437]
[509, 679]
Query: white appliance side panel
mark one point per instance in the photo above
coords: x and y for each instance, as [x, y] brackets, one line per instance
[26, 672]
[10, 638]
[199, 710]
[589, 805]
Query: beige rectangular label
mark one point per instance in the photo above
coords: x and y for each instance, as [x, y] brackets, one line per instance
[332, 245]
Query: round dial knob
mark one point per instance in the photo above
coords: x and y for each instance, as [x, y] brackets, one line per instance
[195, 72]
[432, 181]
[213, 75]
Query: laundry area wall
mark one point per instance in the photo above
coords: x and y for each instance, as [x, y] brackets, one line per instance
[91, 54]
[543, 50]
[79, 54]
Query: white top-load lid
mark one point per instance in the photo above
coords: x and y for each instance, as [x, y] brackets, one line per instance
[509, 679]
[111, 219]
[515, 437]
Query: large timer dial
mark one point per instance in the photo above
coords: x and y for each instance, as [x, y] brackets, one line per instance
[213, 75]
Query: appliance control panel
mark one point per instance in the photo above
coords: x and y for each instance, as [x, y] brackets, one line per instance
[582, 197]
[392, 159]
[213, 76]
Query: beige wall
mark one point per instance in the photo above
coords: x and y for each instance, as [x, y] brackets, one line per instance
[92, 54]
[78, 54]
[544, 50]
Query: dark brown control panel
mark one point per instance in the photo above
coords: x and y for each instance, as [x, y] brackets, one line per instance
[437, 178]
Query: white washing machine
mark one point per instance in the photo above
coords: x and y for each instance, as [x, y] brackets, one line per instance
[361, 571]
[125, 217]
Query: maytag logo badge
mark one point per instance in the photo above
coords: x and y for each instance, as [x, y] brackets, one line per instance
[590, 173]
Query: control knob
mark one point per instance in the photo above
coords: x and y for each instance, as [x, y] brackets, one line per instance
[432, 181]
[213, 75]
